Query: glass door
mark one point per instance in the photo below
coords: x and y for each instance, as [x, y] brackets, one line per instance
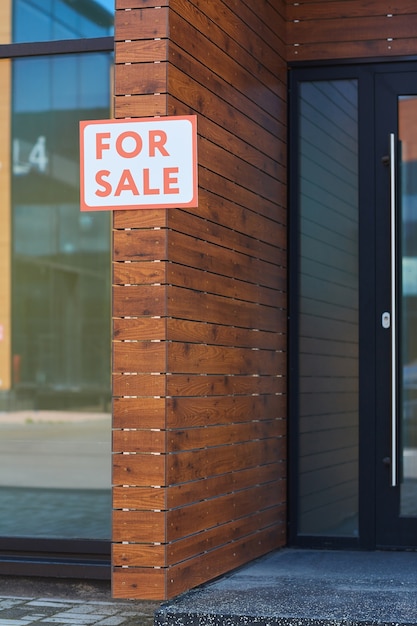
[396, 226]
[353, 306]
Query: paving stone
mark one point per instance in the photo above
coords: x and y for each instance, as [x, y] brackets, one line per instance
[20, 612]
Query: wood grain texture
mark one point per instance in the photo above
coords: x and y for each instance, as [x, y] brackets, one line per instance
[350, 29]
[146, 23]
[199, 302]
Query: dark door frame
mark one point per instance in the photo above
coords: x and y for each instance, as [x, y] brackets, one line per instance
[372, 350]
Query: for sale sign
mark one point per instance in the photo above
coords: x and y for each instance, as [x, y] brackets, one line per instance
[138, 163]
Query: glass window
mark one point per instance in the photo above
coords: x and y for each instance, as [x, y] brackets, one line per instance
[51, 20]
[55, 428]
[328, 309]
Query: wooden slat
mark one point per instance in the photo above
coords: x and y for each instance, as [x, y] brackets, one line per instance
[140, 4]
[194, 438]
[150, 469]
[203, 411]
[142, 218]
[220, 161]
[140, 106]
[146, 583]
[143, 273]
[226, 214]
[195, 385]
[196, 253]
[139, 526]
[183, 303]
[148, 498]
[139, 555]
[220, 220]
[139, 245]
[260, 244]
[193, 572]
[230, 69]
[215, 334]
[345, 50]
[144, 441]
[138, 469]
[195, 518]
[141, 78]
[132, 582]
[146, 555]
[331, 9]
[209, 487]
[215, 21]
[136, 301]
[141, 23]
[351, 29]
[246, 198]
[140, 357]
[139, 329]
[196, 358]
[139, 385]
[178, 274]
[148, 526]
[241, 116]
[138, 413]
[147, 51]
[270, 31]
[200, 543]
[140, 498]
[196, 464]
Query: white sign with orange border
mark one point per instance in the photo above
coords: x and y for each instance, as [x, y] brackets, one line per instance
[138, 163]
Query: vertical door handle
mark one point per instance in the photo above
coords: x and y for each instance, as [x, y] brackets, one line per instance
[393, 211]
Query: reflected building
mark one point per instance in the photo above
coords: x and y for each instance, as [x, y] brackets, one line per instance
[55, 315]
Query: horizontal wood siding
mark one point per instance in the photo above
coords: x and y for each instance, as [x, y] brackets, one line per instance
[336, 29]
[199, 302]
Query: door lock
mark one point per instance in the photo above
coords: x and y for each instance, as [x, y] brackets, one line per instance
[386, 320]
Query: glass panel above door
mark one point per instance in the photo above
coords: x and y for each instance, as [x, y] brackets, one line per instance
[328, 309]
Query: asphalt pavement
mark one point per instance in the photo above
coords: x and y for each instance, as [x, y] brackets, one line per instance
[305, 588]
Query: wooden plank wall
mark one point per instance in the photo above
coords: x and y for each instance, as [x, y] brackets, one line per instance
[199, 302]
[337, 29]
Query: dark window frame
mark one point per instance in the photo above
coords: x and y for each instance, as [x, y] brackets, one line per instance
[62, 46]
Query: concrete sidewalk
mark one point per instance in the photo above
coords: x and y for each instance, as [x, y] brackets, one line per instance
[305, 588]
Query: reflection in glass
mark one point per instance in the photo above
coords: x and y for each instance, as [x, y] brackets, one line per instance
[51, 20]
[407, 131]
[328, 309]
[55, 448]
